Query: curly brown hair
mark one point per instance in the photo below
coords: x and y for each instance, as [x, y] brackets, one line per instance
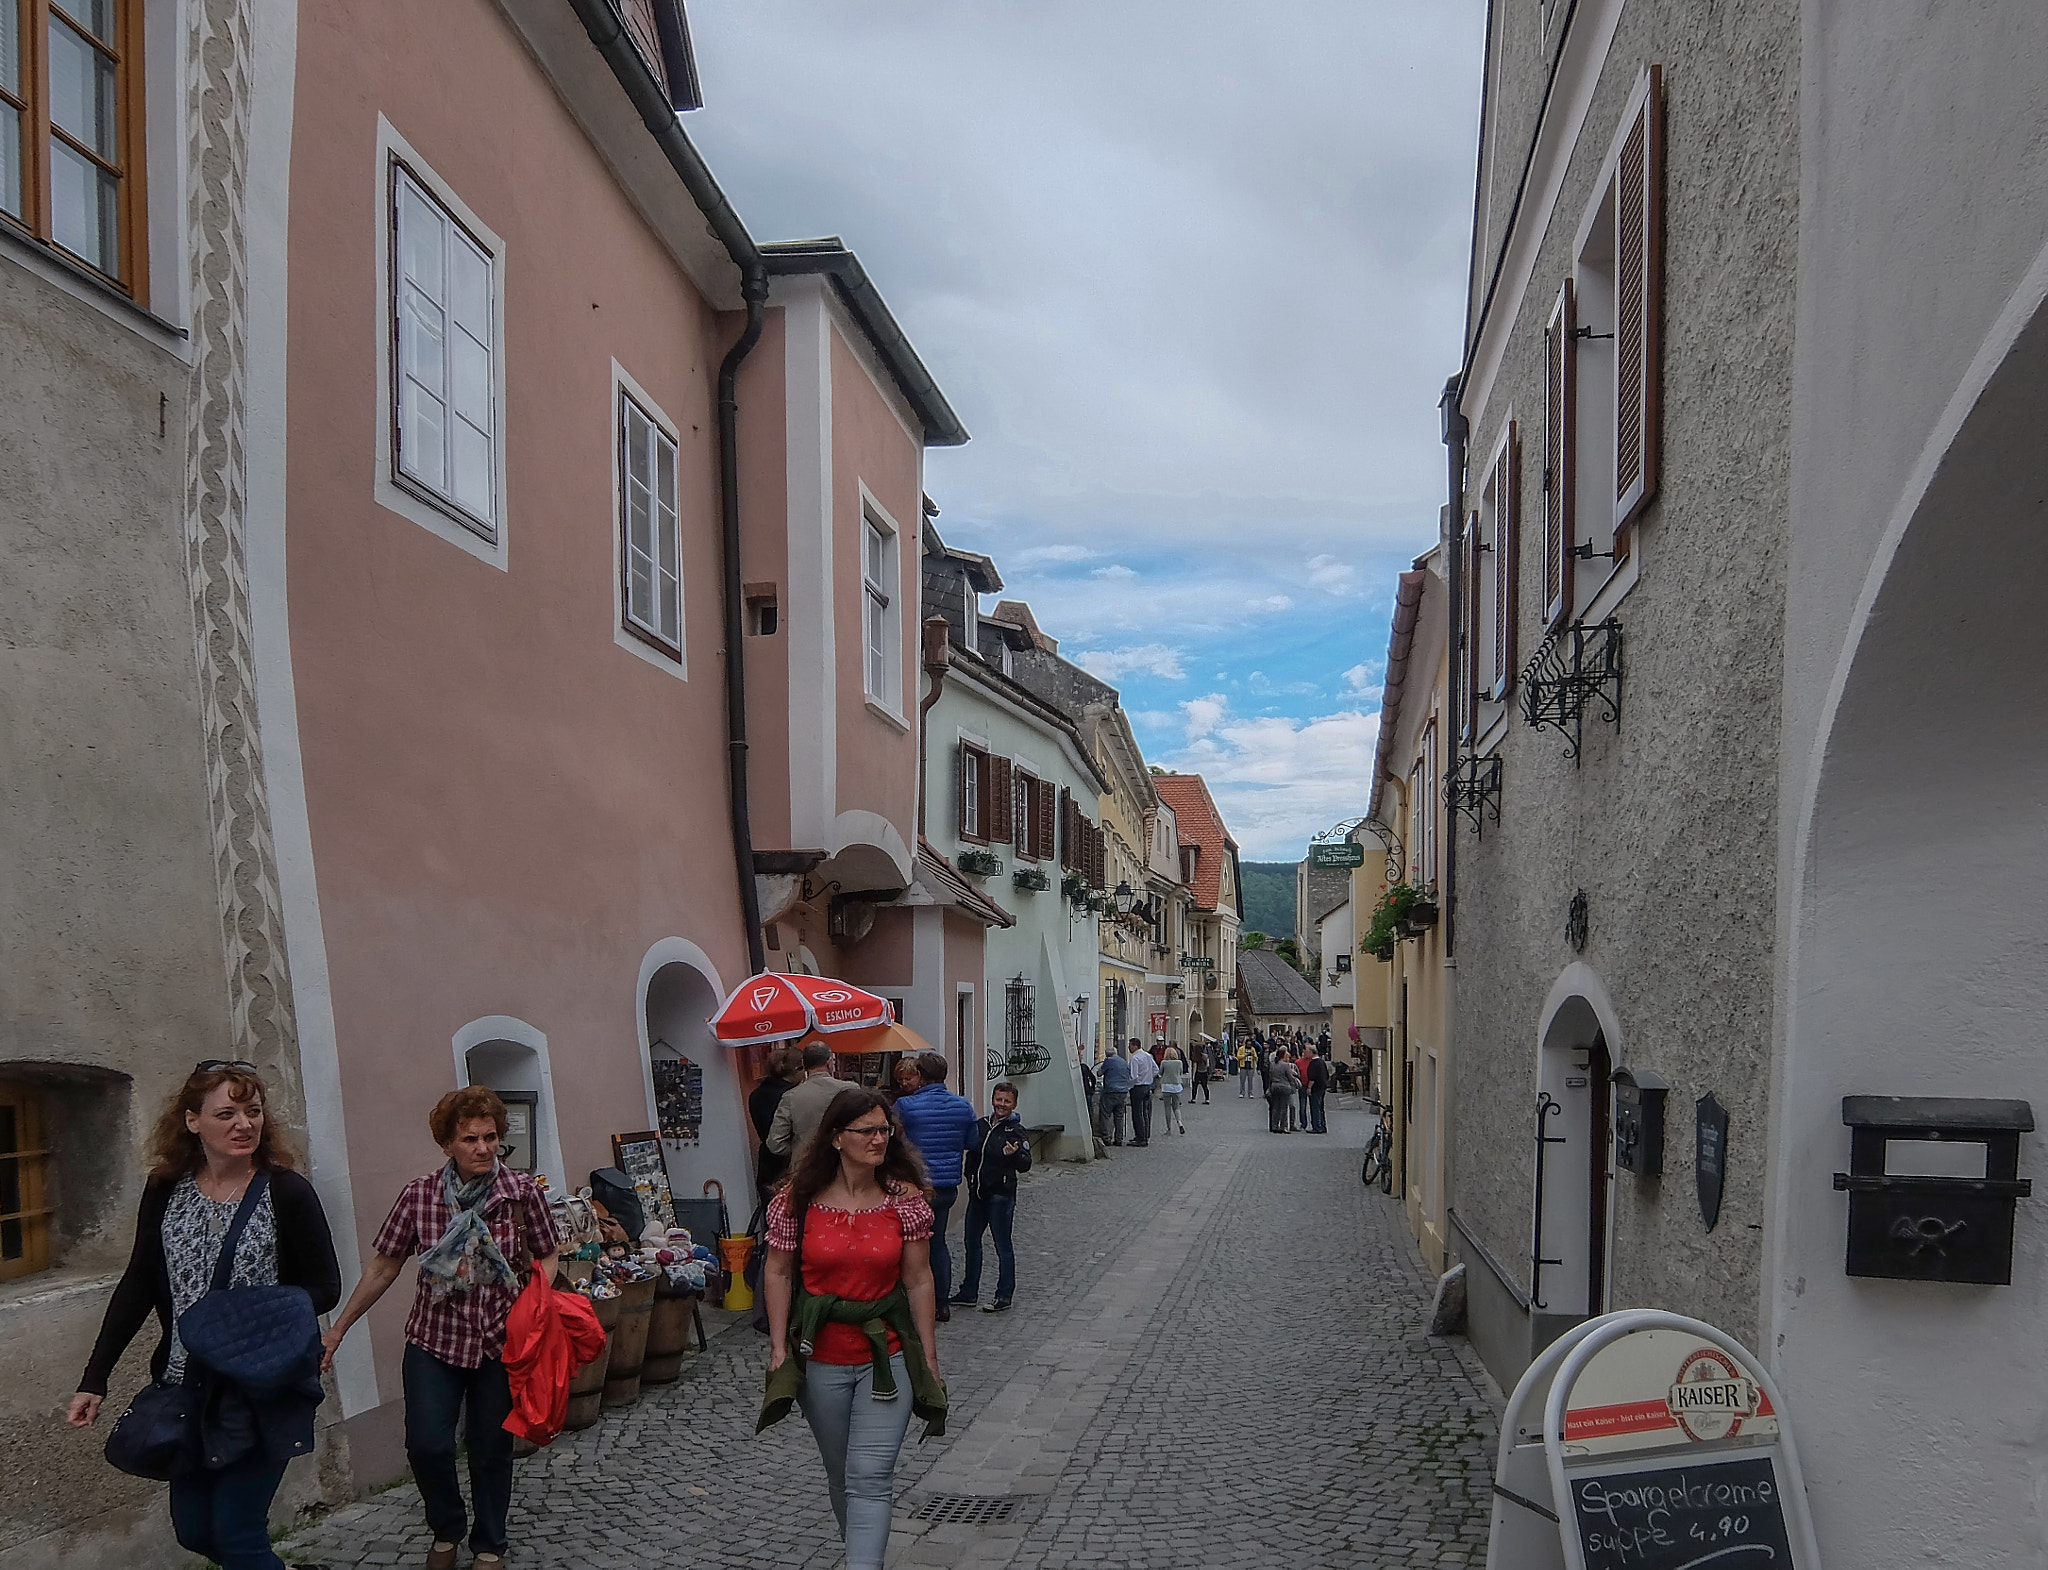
[174, 1149]
[817, 1164]
[459, 1106]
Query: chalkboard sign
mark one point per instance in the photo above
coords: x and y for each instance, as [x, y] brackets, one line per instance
[1726, 1511]
[1710, 1155]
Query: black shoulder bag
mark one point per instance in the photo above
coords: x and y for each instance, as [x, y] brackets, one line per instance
[161, 1423]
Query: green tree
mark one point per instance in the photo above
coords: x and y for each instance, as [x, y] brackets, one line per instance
[1251, 940]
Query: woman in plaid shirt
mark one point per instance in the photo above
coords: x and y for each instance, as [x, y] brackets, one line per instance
[472, 1223]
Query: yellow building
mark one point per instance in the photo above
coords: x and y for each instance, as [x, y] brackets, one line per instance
[1401, 1008]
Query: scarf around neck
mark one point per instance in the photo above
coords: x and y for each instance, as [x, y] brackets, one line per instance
[467, 1257]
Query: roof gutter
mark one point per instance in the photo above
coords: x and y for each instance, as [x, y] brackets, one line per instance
[795, 258]
[607, 32]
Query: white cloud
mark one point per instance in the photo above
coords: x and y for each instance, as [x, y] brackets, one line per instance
[1279, 781]
[1036, 554]
[1203, 715]
[1337, 577]
[1114, 570]
[1272, 602]
[1360, 679]
[1156, 658]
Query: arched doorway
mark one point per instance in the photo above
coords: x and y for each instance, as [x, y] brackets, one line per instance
[1572, 1211]
[511, 1057]
[1916, 969]
[694, 1090]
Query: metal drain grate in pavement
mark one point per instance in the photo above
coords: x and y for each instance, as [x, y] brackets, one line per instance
[969, 1509]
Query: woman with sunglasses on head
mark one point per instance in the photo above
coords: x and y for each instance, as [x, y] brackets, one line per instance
[213, 1147]
[851, 1309]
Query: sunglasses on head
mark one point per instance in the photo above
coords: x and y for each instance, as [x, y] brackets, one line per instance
[210, 1064]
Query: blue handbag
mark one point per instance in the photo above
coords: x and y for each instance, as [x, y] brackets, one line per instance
[262, 1339]
[161, 1423]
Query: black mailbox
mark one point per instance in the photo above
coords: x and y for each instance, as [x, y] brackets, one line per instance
[1918, 1227]
[1639, 1122]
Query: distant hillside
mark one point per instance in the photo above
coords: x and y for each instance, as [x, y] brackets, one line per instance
[1269, 897]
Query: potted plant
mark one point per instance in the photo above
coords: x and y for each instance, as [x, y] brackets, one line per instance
[1031, 879]
[977, 863]
[1074, 889]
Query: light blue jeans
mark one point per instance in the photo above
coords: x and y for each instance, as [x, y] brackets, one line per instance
[858, 1440]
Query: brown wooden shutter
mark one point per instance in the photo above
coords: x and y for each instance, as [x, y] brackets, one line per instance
[1046, 805]
[1638, 315]
[1507, 497]
[996, 821]
[963, 790]
[1560, 468]
[1067, 837]
[1467, 661]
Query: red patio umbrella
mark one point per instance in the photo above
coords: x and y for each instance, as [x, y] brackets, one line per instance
[777, 1007]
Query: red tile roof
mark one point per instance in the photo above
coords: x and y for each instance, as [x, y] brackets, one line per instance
[1201, 825]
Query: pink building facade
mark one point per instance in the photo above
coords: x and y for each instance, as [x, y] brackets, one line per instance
[494, 607]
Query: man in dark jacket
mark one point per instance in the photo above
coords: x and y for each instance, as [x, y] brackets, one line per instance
[1318, 1093]
[999, 1151]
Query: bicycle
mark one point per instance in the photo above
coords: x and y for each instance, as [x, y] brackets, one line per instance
[1378, 1167]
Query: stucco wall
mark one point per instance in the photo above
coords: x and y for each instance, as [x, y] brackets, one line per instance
[1048, 946]
[109, 927]
[877, 758]
[506, 807]
[1912, 756]
[1668, 821]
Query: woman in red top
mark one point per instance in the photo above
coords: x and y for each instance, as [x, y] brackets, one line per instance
[857, 1204]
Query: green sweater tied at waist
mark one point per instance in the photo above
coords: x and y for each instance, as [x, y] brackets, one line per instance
[876, 1317]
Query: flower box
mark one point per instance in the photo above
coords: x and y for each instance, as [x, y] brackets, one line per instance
[979, 863]
[1031, 880]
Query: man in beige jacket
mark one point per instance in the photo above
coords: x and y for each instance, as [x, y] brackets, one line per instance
[799, 1113]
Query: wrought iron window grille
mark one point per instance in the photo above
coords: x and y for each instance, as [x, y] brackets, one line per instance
[1473, 788]
[1575, 669]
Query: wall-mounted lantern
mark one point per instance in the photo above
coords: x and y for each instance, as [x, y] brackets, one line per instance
[1639, 1122]
[1933, 1182]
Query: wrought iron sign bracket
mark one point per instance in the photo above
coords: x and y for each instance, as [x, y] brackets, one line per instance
[1576, 669]
[1473, 789]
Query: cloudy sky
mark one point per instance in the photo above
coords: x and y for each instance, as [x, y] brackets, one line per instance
[1191, 273]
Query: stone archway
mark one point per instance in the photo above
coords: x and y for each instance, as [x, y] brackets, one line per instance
[679, 991]
[1916, 968]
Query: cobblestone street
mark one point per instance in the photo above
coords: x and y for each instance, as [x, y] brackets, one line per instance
[1215, 1360]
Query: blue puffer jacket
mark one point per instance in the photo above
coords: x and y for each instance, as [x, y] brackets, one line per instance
[940, 1124]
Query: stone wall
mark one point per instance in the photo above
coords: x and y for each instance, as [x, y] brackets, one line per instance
[1667, 822]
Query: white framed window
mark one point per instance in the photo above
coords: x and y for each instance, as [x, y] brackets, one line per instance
[440, 426]
[650, 531]
[444, 386]
[882, 613]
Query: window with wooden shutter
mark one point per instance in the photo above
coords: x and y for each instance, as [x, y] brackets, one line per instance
[1045, 804]
[1560, 478]
[997, 798]
[1505, 488]
[1468, 648]
[1638, 324]
[24, 1198]
[972, 785]
[1069, 840]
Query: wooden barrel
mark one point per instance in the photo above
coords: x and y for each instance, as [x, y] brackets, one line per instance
[629, 1344]
[668, 1338]
[586, 1390]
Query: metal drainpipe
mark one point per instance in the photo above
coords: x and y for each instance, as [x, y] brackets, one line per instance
[938, 659]
[755, 291]
[1454, 435]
